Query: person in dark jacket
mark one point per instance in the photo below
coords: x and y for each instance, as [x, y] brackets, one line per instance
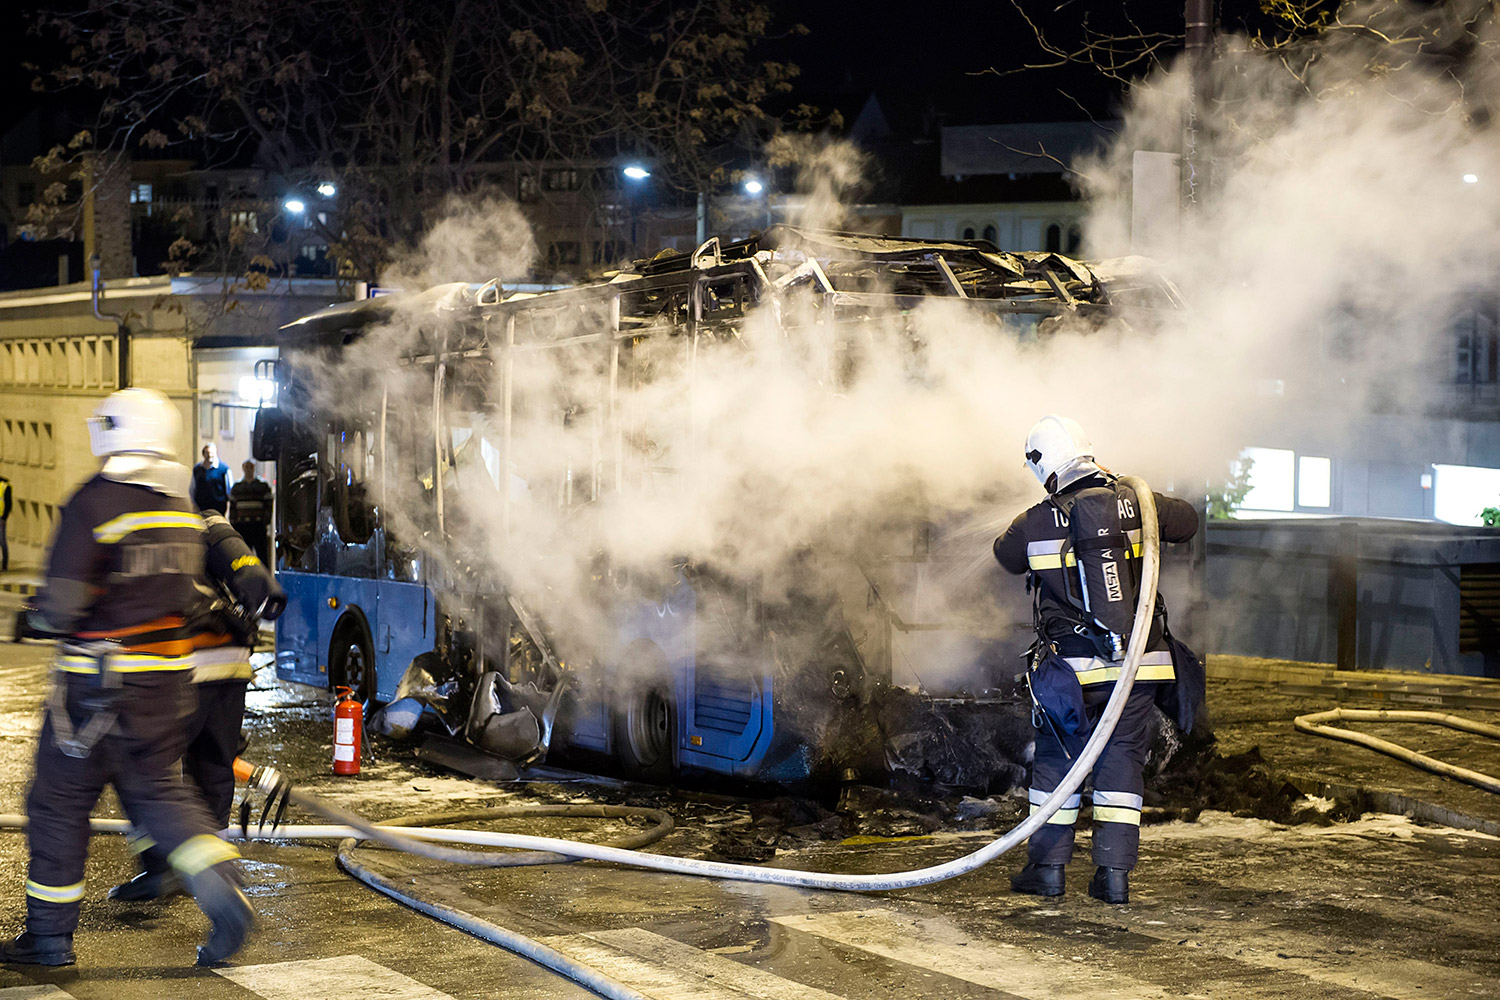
[1036, 544]
[125, 572]
[211, 481]
[223, 638]
[250, 511]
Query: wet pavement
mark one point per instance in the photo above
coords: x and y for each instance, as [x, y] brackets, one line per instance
[1384, 906]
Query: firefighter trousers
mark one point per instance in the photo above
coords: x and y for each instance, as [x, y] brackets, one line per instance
[139, 757]
[1117, 783]
[213, 741]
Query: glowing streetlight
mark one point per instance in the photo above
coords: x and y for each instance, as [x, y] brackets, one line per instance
[636, 172]
[754, 187]
[296, 206]
[327, 190]
[1471, 178]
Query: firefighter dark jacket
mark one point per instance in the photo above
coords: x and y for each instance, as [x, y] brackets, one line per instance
[125, 559]
[1035, 544]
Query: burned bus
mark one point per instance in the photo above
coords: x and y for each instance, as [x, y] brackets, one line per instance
[400, 498]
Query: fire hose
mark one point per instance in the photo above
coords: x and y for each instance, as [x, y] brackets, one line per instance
[425, 841]
[1313, 723]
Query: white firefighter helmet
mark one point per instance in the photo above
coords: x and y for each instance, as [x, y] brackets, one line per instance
[135, 422]
[1057, 447]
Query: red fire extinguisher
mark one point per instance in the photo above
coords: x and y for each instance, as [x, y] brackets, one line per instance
[348, 727]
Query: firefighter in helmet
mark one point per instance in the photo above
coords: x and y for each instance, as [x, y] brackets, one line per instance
[223, 635]
[1038, 543]
[125, 571]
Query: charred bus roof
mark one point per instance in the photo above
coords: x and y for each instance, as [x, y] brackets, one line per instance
[853, 274]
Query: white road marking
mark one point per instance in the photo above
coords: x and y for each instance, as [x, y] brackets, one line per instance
[329, 979]
[670, 970]
[34, 993]
[938, 946]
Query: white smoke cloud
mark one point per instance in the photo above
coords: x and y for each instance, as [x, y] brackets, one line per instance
[1336, 239]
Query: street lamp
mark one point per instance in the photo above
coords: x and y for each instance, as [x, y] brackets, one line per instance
[637, 175]
[754, 187]
[1471, 178]
[327, 189]
[296, 206]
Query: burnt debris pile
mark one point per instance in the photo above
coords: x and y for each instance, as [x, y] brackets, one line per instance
[1197, 777]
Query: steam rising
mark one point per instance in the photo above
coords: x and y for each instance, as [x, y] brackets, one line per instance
[1337, 241]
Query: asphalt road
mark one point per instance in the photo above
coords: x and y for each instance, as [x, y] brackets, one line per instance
[1225, 907]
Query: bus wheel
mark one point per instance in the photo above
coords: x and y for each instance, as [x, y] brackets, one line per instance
[351, 659]
[646, 731]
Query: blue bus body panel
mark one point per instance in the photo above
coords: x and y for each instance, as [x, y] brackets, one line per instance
[400, 616]
[724, 719]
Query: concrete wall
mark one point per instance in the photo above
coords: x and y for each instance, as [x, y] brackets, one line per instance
[1270, 591]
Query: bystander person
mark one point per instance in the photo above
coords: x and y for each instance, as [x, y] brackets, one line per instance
[250, 511]
[211, 481]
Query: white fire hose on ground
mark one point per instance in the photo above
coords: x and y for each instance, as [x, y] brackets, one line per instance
[1313, 723]
[422, 841]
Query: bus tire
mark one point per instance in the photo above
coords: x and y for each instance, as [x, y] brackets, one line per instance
[351, 658]
[645, 720]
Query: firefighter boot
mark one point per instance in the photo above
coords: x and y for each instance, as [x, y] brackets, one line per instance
[27, 948]
[146, 886]
[1111, 885]
[1039, 880]
[217, 892]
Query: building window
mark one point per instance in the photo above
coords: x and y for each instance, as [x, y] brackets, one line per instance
[560, 180]
[1477, 355]
[226, 422]
[1460, 492]
[1314, 481]
[966, 232]
[244, 219]
[526, 187]
[1272, 479]
[1054, 238]
[49, 449]
[25, 194]
[1075, 239]
[991, 233]
[140, 194]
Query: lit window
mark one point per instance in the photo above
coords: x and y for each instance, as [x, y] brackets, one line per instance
[1272, 479]
[1314, 481]
[1460, 492]
[140, 194]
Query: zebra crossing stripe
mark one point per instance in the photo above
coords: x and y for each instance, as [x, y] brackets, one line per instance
[34, 993]
[936, 945]
[349, 976]
[666, 969]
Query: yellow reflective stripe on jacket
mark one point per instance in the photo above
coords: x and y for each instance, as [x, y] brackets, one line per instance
[197, 853]
[1148, 672]
[126, 663]
[1156, 665]
[1048, 553]
[55, 893]
[114, 529]
[1116, 814]
[244, 561]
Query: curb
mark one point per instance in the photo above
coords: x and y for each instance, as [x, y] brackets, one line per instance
[1397, 804]
[1389, 686]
